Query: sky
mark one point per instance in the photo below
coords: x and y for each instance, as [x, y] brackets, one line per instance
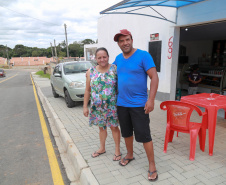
[36, 23]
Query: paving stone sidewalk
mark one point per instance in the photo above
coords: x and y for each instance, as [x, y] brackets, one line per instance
[174, 167]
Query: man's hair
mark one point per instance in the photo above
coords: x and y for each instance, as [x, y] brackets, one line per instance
[101, 49]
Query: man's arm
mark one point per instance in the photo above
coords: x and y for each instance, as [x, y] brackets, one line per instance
[153, 75]
[189, 79]
[194, 82]
[200, 79]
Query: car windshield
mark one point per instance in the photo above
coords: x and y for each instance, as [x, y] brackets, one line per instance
[78, 67]
[1, 70]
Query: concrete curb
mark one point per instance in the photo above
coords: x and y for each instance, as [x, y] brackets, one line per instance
[76, 167]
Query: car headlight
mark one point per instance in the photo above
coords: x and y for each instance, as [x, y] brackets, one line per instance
[76, 85]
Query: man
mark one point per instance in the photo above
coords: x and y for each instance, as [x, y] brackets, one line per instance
[133, 104]
[194, 79]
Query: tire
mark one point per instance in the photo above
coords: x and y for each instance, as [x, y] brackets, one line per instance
[55, 95]
[69, 102]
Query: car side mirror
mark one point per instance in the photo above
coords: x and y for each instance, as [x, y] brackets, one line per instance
[57, 75]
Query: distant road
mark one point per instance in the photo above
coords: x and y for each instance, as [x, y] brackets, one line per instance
[23, 155]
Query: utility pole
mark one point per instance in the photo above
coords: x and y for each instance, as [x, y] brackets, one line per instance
[7, 55]
[52, 50]
[55, 50]
[65, 26]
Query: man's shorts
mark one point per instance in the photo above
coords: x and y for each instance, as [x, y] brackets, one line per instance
[134, 119]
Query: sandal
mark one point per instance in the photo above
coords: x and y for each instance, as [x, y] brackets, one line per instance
[98, 154]
[156, 178]
[124, 160]
[117, 156]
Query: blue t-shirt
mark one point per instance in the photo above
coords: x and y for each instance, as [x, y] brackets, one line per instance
[132, 78]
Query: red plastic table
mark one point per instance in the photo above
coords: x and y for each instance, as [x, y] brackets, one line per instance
[212, 103]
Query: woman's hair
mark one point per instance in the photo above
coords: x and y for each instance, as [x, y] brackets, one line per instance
[103, 49]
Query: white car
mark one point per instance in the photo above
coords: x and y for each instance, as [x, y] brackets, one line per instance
[69, 80]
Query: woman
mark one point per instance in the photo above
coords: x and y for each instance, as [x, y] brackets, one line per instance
[101, 86]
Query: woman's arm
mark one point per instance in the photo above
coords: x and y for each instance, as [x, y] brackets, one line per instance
[87, 95]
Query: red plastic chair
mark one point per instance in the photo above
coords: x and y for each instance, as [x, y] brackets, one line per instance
[178, 119]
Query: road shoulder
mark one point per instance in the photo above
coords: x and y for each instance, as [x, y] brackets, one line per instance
[76, 167]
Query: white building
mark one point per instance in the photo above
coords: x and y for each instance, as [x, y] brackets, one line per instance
[194, 33]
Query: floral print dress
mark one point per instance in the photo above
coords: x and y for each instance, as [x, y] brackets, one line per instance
[103, 110]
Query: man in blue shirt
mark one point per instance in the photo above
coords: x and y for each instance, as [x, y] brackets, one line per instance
[133, 103]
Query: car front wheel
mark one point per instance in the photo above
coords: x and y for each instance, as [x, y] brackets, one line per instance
[69, 102]
[55, 95]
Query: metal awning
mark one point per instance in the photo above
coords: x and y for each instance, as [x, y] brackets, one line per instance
[135, 5]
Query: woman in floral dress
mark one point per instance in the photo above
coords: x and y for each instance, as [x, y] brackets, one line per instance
[101, 85]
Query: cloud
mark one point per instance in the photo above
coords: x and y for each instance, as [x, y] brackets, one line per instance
[37, 23]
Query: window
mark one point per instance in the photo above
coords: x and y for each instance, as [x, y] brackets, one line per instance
[56, 69]
[155, 51]
[77, 67]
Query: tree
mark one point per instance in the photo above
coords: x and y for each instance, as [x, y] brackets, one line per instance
[63, 44]
[48, 52]
[87, 41]
[19, 50]
[35, 53]
[76, 50]
[62, 54]
[2, 51]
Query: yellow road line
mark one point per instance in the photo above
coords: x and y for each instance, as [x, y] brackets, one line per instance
[8, 78]
[56, 173]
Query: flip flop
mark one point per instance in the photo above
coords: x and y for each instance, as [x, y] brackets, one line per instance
[124, 159]
[117, 156]
[156, 178]
[98, 154]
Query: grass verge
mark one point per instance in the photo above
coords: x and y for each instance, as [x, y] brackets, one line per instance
[5, 66]
[41, 73]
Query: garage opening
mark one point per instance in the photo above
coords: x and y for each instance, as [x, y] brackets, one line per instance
[202, 46]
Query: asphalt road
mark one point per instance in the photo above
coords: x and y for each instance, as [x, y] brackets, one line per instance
[23, 155]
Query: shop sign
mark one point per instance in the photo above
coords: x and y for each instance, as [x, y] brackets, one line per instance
[154, 36]
[170, 50]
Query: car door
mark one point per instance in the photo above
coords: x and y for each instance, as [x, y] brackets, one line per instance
[60, 80]
[52, 78]
[55, 79]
